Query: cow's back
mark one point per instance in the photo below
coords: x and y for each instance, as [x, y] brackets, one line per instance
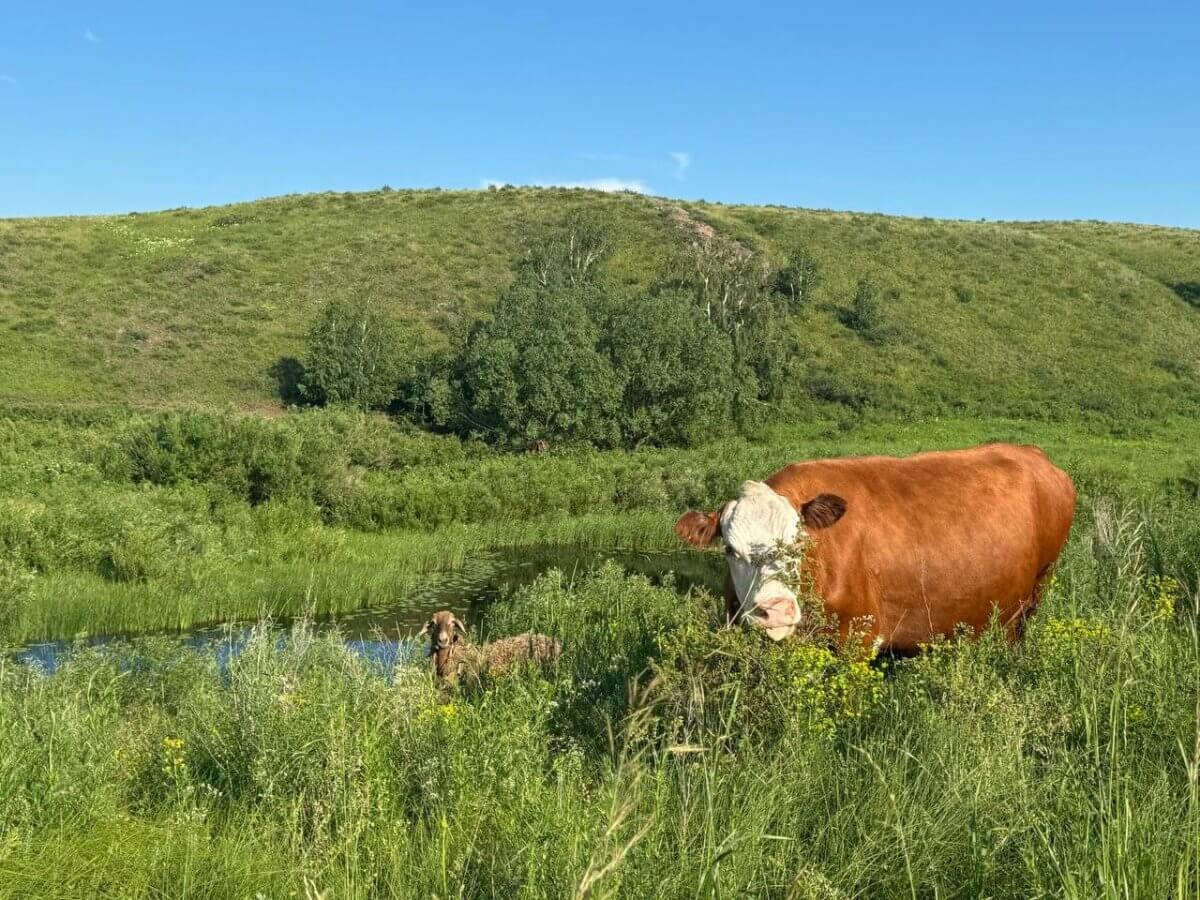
[934, 540]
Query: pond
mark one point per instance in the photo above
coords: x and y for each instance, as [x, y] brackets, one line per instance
[385, 634]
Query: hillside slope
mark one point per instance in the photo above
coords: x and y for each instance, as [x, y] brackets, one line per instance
[197, 305]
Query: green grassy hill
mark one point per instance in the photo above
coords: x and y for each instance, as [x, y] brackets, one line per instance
[195, 306]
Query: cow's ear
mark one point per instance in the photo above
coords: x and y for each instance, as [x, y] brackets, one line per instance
[698, 528]
[823, 510]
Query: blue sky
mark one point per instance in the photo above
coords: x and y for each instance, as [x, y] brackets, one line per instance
[1013, 110]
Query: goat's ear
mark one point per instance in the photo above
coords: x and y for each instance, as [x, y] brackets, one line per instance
[823, 510]
[698, 528]
[424, 632]
[458, 623]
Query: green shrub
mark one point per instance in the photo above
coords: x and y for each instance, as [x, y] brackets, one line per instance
[771, 362]
[292, 531]
[434, 396]
[865, 315]
[139, 551]
[732, 685]
[570, 365]
[624, 618]
[568, 253]
[356, 356]
[797, 279]
[535, 372]
[251, 458]
[676, 371]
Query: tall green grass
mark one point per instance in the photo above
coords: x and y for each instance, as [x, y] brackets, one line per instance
[661, 758]
[366, 570]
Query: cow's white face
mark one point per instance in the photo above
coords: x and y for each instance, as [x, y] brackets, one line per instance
[759, 529]
[754, 526]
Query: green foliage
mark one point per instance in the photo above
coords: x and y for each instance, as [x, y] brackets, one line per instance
[433, 397]
[771, 367]
[625, 618]
[250, 458]
[797, 279]
[719, 686]
[570, 366]
[750, 304]
[865, 316]
[15, 582]
[730, 283]
[535, 372]
[566, 361]
[569, 253]
[675, 368]
[356, 356]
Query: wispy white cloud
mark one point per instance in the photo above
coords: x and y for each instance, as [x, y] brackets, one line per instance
[7, 79]
[683, 161]
[90, 36]
[609, 185]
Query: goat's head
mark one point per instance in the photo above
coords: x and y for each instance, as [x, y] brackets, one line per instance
[444, 630]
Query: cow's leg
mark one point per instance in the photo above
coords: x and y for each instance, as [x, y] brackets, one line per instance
[1029, 605]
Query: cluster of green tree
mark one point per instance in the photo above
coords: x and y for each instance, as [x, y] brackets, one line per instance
[568, 359]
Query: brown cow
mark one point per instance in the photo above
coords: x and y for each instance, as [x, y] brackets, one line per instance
[920, 545]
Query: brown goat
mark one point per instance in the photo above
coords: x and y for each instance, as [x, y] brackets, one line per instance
[453, 657]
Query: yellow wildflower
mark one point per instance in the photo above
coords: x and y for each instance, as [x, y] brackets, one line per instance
[174, 761]
[1164, 593]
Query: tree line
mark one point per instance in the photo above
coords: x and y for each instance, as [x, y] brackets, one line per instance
[568, 359]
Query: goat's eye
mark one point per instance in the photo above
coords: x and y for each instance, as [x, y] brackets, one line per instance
[728, 550]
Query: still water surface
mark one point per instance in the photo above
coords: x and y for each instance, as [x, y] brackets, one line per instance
[385, 634]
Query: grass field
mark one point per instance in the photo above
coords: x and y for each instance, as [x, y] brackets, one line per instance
[150, 481]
